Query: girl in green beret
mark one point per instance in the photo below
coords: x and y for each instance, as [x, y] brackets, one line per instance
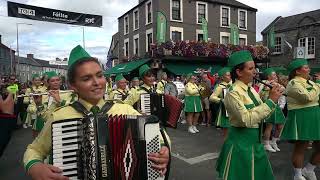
[277, 118]
[218, 97]
[242, 156]
[303, 123]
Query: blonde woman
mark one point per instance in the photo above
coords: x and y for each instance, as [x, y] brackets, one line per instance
[192, 103]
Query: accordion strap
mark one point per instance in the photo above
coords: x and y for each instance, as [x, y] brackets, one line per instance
[80, 108]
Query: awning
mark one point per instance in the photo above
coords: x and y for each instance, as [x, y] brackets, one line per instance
[126, 68]
[190, 67]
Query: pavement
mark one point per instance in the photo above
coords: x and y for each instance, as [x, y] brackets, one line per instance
[193, 155]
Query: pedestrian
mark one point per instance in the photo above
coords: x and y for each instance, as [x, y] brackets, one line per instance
[242, 155]
[87, 80]
[192, 103]
[170, 88]
[205, 93]
[218, 96]
[303, 121]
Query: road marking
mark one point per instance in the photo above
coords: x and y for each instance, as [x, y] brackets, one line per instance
[197, 159]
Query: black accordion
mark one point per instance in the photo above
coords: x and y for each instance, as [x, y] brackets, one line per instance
[153, 104]
[98, 147]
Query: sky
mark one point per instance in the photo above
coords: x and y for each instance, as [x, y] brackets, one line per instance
[51, 40]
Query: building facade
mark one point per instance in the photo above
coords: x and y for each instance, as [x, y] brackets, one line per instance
[6, 60]
[28, 66]
[293, 33]
[137, 27]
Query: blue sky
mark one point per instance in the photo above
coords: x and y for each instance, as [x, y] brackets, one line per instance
[51, 40]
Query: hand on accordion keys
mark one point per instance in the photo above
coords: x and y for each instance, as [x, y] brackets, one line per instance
[40, 171]
[160, 160]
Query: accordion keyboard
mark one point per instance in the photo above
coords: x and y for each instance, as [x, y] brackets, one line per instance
[66, 142]
[146, 104]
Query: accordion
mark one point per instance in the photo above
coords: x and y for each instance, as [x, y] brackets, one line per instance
[106, 148]
[167, 108]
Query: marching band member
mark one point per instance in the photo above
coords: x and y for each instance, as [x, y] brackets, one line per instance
[242, 155]
[192, 103]
[135, 85]
[277, 118]
[161, 84]
[86, 79]
[44, 105]
[303, 123]
[121, 92]
[218, 97]
[147, 77]
[35, 88]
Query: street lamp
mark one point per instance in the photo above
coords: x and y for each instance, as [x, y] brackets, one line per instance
[83, 37]
[18, 38]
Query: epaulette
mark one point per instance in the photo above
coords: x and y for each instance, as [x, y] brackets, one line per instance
[231, 88]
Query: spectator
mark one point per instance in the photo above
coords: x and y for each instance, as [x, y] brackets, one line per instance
[170, 88]
[205, 93]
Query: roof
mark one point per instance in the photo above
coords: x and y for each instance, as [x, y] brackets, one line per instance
[6, 47]
[39, 63]
[292, 22]
[24, 60]
[233, 3]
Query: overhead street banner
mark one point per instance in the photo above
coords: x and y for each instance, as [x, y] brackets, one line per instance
[53, 15]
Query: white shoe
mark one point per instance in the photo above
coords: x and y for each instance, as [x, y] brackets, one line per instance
[191, 130]
[183, 121]
[25, 126]
[195, 129]
[268, 147]
[299, 178]
[310, 175]
[275, 146]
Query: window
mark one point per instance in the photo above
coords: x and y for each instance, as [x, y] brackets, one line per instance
[126, 47]
[136, 20]
[126, 25]
[309, 44]
[225, 16]
[243, 39]
[242, 15]
[176, 10]
[149, 39]
[199, 35]
[176, 34]
[148, 12]
[136, 45]
[278, 45]
[224, 38]
[202, 11]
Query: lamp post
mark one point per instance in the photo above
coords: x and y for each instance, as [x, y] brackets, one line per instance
[17, 25]
[83, 36]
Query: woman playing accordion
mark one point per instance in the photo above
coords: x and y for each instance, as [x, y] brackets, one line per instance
[86, 79]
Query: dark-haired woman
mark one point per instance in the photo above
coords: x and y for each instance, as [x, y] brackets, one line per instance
[86, 79]
[303, 123]
[243, 155]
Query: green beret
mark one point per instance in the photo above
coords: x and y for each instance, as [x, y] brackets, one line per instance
[268, 71]
[119, 77]
[77, 54]
[143, 69]
[239, 57]
[51, 74]
[296, 63]
[223, 71]
[35, 76]
[135, 79]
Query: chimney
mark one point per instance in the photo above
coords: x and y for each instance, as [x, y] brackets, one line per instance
[30, 56]
[65, 59]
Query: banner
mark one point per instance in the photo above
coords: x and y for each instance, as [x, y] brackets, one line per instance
[161, 27]
[52, 15]
[271, 38]
[204, 25]
[234, 36]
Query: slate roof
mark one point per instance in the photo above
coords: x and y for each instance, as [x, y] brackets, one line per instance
[294, 21]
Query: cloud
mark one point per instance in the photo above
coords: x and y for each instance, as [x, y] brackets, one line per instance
[51, 40]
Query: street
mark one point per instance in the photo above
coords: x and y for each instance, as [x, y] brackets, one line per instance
[194, 156]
